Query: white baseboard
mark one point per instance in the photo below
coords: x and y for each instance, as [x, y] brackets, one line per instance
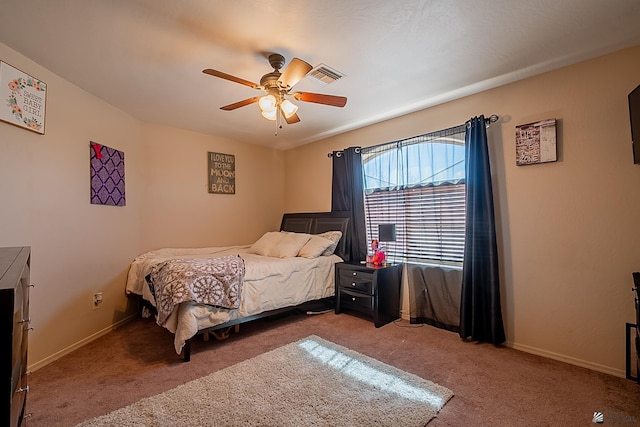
[404, 315]
[555, 356]
[567, 359]
[44, 362]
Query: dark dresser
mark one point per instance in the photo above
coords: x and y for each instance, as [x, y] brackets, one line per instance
[14, 333]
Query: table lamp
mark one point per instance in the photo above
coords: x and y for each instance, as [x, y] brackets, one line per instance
[386, 233]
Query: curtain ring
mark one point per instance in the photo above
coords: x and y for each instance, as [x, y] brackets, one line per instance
[338, 154]
[357, 150]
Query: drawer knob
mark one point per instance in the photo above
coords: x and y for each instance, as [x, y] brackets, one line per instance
[353, 299]
[23, 390]
[354, 273]
[353, 284]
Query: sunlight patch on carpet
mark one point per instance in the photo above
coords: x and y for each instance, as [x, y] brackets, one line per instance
[309, 382]
[368, 374]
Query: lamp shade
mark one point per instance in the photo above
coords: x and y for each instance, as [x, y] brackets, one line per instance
[271, 115]
[267, 103]
[387, 232]
[288, 108]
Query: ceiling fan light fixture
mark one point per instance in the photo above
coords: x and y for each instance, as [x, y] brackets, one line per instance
[268, 104]
[270, 115]
[288, 108]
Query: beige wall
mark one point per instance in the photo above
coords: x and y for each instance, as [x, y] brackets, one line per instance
[569, 231]
[178, 210]
[76, 248]
[79, 248]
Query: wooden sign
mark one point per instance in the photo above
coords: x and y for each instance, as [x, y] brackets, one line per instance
[222, 173]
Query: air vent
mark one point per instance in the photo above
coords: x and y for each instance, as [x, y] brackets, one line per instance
[325, 74]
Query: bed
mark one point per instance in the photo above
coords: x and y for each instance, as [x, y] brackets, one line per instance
[280, 272]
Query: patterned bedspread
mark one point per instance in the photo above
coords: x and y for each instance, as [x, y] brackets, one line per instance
[212, 281]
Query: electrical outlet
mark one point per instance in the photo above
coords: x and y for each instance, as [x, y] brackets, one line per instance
[97, 300]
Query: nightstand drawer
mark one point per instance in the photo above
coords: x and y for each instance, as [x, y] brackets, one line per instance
[356, 280]
[356, 300]
[371, 290]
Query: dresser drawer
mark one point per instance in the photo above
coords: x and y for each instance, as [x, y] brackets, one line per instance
[356, 300]
[356, 280]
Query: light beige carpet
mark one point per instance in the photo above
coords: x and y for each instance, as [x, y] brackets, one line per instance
[308, 382]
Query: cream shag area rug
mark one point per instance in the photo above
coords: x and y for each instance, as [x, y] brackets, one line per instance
[311, 382]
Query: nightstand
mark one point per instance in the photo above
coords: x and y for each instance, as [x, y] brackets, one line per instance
[374, 291]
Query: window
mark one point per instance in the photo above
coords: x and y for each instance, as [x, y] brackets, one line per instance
[418, 184]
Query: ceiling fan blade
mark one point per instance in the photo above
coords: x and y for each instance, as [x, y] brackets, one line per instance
[240, 103]
[319, 98]
[293, 73]
[229, 77]
[291, 120]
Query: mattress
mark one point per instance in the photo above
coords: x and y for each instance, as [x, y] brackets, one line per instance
[269, 283]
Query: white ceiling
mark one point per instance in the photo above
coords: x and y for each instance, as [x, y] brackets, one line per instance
[146, 56]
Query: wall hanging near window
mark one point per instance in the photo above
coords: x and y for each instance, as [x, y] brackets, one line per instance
[222, 173]
[107, 175]
[22, 99]
[536, 142]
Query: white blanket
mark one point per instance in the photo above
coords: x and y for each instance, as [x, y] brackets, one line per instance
[269, 284]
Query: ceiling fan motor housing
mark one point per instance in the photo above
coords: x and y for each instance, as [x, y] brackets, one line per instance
[270, 80]
[277, 61]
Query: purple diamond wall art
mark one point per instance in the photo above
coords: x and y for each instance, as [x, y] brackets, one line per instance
[107, 175]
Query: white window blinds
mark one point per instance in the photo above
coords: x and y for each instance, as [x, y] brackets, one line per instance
[418, 185]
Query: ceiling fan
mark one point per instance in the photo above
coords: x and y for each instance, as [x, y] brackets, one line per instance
[277, 87]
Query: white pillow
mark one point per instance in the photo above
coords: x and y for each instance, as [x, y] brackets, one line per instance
[315, 247]
[264, 244]
[334, 236]
[289, 245]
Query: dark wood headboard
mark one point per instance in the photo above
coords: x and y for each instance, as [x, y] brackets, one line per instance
[319, 222]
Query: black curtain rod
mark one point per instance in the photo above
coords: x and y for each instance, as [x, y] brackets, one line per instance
[339, 153]
[488, 120]
[491, 119]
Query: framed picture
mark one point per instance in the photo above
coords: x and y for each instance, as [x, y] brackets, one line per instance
[222, 173]
[536, 142]
[23, 99]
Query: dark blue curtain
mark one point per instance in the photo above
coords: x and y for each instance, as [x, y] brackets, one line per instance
[347, 194]
[480, 311]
